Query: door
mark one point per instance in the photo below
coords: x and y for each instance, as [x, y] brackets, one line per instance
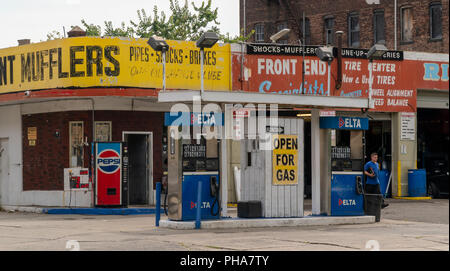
[4, 167]
[139, 161]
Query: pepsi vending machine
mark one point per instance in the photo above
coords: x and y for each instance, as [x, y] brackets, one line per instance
[111, 174]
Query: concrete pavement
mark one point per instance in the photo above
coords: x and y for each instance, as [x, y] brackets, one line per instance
[31, 231]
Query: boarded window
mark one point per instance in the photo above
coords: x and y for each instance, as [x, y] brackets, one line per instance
[406, 24]
[102, 131]
[353, 30]
[378, 27]
[436, 21]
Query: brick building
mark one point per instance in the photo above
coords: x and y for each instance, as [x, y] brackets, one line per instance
[421, 25]
[419, 28]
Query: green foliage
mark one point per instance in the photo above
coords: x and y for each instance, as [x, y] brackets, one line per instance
[91, 29]
[54, 35]
[181, 24]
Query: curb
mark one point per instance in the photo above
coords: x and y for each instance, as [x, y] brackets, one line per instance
[267, 222]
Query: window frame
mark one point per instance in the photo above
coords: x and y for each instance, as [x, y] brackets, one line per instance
[307, 30]
[325, 29]
[350, 31]
[96, 132]
[70, 143]
[375, 13]
[402, 38]
[259, 26]
[281, 26]
[434, 5]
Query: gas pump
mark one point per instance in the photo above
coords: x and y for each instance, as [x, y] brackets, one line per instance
[347, 162]
[192, 162]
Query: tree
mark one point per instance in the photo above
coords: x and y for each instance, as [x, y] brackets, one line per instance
[181, 24]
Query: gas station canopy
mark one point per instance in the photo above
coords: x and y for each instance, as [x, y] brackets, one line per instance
[187, 96]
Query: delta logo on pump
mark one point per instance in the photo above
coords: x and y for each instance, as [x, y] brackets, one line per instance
[341, 123]
[108, 161]
[347, 202]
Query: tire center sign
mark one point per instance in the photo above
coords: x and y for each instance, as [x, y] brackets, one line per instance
[285, 159]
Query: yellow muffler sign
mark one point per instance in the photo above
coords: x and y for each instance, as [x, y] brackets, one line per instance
[85, 62]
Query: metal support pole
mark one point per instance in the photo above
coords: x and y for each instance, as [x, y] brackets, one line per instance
[395, 25]
[198, 216]
[201, 70]
[164, 69]
[158, 203]
[329, 79]
[371, 103]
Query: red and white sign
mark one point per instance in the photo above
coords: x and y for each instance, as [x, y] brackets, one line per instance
[394, 83]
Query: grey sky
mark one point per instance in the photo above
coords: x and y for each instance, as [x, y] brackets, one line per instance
[22, 19]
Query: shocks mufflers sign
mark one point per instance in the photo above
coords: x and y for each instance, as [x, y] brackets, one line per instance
[111, 62]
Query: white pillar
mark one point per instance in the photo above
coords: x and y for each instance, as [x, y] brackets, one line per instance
[227, 125]
[315, 162]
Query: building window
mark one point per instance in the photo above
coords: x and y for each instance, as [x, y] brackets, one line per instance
[329, 30]
[436, 21]
[307, 30]
[76, 143]
[378, 27]
[353, 30]
[102, 131]
[259, 33]
[284, 39]
[406, 18]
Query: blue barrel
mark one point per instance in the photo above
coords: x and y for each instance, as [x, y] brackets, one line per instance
[383, 177]
[417, 183]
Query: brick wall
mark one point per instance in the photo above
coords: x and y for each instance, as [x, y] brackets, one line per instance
[43, 164]
[272, 12]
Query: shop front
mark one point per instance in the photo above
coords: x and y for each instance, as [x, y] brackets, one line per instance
[61, 101]
[402, 84]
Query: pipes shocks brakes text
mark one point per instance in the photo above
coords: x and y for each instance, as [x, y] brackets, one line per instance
[224, 262]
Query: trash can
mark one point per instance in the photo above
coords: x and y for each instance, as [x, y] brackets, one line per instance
[417, 183]
[249, 209]
[372, 205]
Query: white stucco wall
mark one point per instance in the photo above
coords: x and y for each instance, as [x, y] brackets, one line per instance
[11, 132]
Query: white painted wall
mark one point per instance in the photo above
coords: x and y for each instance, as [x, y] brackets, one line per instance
[11, 131]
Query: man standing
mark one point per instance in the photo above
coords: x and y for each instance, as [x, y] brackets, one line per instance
[371, 170]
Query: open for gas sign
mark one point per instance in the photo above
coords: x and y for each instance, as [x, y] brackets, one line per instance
[284, 159]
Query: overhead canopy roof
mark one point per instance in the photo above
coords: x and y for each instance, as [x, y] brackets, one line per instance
[187, 96]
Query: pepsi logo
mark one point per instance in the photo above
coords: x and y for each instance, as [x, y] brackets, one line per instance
[108, 161]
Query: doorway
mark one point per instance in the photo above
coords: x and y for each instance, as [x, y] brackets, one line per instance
[4, 167]
[140, 167]
[379, 139]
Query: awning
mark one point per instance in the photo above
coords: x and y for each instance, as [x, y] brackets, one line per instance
[187, 96]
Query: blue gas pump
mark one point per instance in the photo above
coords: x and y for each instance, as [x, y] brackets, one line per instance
[193, 162]
[347, 196]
